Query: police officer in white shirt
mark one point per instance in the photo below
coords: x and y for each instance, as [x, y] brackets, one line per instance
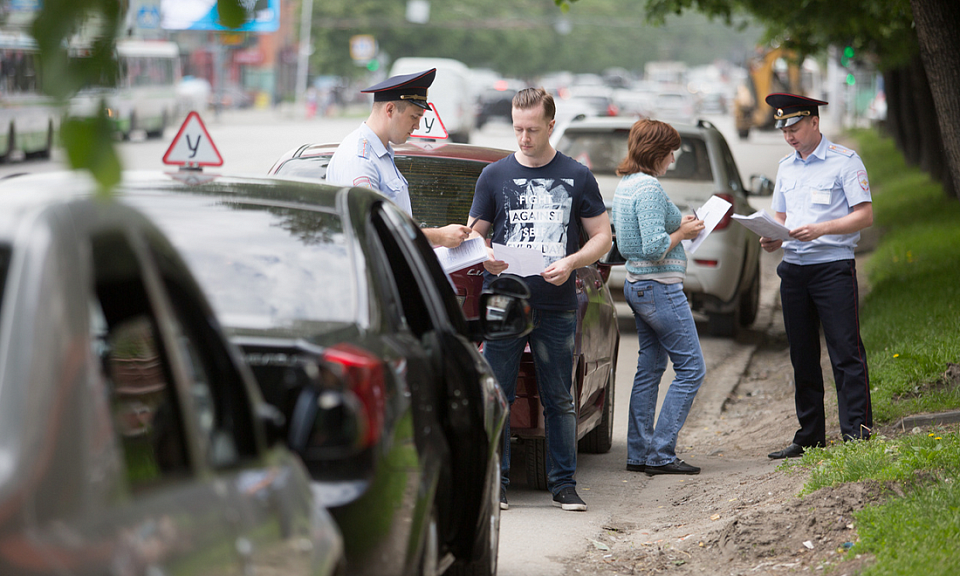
[823, 197]
[365, 157]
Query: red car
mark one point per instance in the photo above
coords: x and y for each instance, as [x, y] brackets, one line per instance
[442, 180]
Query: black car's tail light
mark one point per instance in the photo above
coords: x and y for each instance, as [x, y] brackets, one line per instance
[362, 373]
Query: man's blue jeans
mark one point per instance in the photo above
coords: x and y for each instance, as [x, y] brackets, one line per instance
[665, 327]
[552, 343]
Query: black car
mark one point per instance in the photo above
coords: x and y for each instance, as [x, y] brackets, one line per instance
[442, 183]
[353, 331]
[133, 438]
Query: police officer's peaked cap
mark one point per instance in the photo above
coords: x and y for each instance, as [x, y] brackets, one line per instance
[407, 87]
[788, 109]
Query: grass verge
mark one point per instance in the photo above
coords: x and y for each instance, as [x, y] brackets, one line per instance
[910, 320]
[910, 324]
[917, 530]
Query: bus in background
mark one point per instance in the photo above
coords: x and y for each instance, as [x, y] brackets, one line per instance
[145, 96]
[28, 118]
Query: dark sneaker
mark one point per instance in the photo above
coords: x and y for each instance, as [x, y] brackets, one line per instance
[567, 499]
[636, 467]
[678, 466]
[503, 500]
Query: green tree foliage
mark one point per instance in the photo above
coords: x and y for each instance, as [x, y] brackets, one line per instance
[88, 142]
[523, 38]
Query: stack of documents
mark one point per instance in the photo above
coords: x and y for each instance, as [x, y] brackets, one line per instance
[468, 253]
[764, 225]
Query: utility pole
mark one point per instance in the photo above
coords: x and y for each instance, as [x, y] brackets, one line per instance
[303, 55]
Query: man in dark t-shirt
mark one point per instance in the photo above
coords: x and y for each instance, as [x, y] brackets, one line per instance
[541, 199]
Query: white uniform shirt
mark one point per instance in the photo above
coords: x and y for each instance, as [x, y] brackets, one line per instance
[363, 160]
[823, 187]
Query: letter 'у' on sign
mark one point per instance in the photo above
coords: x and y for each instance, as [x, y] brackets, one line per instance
[431, 126]
[192, 146]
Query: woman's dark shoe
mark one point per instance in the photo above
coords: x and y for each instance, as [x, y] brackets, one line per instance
[678, 466]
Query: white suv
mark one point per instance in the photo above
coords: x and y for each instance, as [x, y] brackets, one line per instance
[723, 277]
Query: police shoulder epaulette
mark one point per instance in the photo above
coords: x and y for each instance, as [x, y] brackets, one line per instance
[363, 148]
[841, 150]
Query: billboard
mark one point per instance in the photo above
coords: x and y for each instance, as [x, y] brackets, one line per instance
[263, 15]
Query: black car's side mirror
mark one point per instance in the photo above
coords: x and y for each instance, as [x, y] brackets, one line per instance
[760, 185]
[504, 309]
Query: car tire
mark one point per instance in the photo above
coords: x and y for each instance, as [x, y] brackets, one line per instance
[750, 300]
[487, 544]
[535, 454]
[600, 439]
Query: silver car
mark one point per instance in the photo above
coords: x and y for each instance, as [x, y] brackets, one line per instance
[723, 276]
[132, 438]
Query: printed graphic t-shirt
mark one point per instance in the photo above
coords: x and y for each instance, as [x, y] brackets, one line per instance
[539, 208]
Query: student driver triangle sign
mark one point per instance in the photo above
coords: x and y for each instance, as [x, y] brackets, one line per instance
[192, 146]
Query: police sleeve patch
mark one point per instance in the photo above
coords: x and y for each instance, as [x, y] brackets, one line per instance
[363, 182]
[862, 179]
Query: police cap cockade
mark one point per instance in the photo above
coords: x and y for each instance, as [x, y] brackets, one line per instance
[788, 109]
[407, 87]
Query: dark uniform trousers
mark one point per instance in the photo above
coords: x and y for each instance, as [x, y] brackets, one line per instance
[826, 294]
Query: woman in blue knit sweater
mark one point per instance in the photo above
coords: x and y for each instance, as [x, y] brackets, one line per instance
[649, 230]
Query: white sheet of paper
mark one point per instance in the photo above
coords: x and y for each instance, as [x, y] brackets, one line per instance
[468, 253]
[711, 213]
[521, 261]
[764, 225]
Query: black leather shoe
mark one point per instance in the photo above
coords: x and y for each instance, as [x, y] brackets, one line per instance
[791, 451]
[636, 467]
[678, 466]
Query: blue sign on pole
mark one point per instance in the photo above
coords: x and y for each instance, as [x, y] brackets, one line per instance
[264, 15]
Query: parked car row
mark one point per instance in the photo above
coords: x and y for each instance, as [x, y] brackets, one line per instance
[149, 431]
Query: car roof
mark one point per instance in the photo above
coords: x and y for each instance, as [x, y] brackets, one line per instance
[26, 194]
[614, 122]
[434, 150]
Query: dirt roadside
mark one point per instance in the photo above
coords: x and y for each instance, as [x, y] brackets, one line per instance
[741, 515]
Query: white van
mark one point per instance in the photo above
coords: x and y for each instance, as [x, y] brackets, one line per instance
[451, 93]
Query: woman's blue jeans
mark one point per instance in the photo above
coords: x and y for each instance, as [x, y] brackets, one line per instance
[552, 343]
[665, 327]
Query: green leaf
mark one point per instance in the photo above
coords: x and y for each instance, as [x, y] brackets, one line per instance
[89, 146]
[232, 14]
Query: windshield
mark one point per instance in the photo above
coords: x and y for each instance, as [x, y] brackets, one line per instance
[261, 266]
[603, 150]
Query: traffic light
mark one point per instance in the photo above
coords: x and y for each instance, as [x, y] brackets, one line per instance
[851, 79]
[373, 65]
[847, 56]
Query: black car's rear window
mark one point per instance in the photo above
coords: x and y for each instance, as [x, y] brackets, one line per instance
[261, 266]
[4, 264]
[603, 150]
[305, 167]
[441, 189]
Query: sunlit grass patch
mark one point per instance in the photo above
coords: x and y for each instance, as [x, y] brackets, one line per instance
[910, 320]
